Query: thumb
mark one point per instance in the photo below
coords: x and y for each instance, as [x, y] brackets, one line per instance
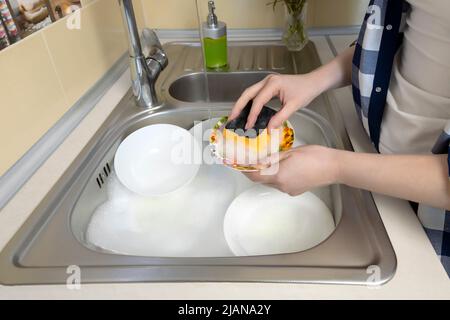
[274, 164]
[276, 157]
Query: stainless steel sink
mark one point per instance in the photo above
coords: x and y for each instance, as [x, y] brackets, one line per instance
[213, 87]
[53, 238]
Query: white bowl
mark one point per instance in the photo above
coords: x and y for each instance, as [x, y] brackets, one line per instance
[157, 159]
[263, 221]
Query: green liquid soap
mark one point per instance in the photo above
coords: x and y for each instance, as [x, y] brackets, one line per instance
[216, 54]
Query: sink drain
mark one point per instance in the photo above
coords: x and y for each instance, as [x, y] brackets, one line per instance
[101, 178]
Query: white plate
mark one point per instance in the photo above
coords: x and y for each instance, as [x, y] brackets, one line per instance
[157, 159]
[263, 221]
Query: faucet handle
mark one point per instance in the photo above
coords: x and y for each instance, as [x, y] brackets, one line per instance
[152, 48]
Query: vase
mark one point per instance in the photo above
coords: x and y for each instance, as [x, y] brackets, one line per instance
[295, 35]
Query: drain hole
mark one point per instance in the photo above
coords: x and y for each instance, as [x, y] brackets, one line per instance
[99, 184]
[103, 175]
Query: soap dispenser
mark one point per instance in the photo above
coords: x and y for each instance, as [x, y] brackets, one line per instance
[215, 40]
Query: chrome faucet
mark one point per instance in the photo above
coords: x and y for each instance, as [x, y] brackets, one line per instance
[147, 58]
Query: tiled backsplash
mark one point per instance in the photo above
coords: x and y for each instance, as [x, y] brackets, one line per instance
[21, 18]
[180, 14]
[43, 75]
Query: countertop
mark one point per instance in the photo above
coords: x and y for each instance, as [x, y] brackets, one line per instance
[419, 273]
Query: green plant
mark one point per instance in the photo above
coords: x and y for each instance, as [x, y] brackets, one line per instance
[294, 7]
[295, 35]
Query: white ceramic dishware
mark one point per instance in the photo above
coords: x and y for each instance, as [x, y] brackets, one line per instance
[247, 154]
[157, 159]
[185, 223]
[263, 221]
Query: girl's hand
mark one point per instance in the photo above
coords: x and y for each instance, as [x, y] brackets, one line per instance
[294, 91]
[300, 170]
[420, 178]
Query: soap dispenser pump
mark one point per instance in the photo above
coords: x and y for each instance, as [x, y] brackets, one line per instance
[215, 40]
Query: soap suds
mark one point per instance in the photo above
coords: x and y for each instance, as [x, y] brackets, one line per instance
[186, 223]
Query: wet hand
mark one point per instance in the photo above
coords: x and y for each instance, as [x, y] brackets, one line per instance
[294, 91]
[299, 170]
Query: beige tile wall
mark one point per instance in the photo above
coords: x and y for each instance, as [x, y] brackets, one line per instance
[178, 14]
[45, 74]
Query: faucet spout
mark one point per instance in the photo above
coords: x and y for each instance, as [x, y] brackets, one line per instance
[147, 58]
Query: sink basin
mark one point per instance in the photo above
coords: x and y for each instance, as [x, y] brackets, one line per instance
[213, 87]
[314, 131]
[54, 236]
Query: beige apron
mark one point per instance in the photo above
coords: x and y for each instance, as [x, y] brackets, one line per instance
[418, 101]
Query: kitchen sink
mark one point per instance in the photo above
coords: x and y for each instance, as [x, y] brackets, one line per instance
[213, 87]
[54, 236]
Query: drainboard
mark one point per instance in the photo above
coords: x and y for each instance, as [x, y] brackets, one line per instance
[54, 237]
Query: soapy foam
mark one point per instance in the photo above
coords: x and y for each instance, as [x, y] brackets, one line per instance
[186, 223]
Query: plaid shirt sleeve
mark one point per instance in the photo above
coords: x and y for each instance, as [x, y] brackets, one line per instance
[379, 39]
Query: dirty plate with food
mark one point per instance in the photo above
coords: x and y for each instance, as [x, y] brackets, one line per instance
[249, 150]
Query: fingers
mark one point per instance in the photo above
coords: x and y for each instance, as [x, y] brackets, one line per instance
[265, 95]
[246, 96]
[282, 115]
[257, 177]
[275, 158]
[261, 93]
[269, 176]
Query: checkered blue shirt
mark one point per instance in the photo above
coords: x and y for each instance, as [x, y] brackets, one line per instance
[380, 37]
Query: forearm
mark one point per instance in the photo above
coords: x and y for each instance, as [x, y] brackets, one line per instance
[335, 74]
[420, 178]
